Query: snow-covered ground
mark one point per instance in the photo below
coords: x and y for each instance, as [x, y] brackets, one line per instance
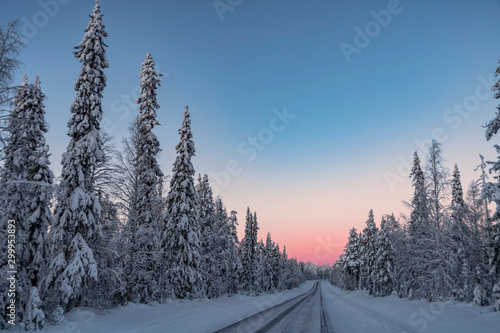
[346, 311]
[179, 316]
[359, 312]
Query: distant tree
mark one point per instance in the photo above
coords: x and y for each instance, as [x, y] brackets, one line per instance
[479, 242]
[351, 261]
[419, 218]
[225, 253]
[484, 198]
[267, 278]
[392, 225]
[367, 253]
[210, 247]
[277, 265]
[233, 223]
[461, 242]
[249, 274]
[234, 259]
[475, 205]
[259, 268]
[421, 243]
[437, 175]
[383, 275]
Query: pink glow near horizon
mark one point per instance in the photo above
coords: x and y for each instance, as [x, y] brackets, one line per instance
[314, 225]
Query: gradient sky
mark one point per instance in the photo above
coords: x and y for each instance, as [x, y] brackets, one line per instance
[355, 122]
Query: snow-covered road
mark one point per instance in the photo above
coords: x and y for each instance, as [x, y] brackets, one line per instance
[316, 306]
[320, 310]
[304, 313]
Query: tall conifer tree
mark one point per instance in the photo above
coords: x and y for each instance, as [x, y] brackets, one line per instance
[75, 225]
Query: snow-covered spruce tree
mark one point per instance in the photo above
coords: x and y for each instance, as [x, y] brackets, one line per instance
[391, 224]
[383, 274]
[267, 278]
[27, 180]
[249, 255]
[259, 268]
[463, 275]
[75, 224]
[286, 273]
[491, 191]
[429, 271]
[277, 265]
[442, 260]
[494, 125]
[367, 254]
[257, 282]
[233, 223]
[225, 249]
[335, 276]
[351, 261]
[13, 204]
[416, 278]
[143, 227]
[400, 256]
[295, 272]
[246, 254]
[437, 176]
[148, 146]
[181, 235]
[39, 179]
[233, 258]
[210, 245]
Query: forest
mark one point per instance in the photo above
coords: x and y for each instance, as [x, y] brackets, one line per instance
[114, 228]
[106, 232]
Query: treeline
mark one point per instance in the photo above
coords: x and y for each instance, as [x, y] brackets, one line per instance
[440, 252]
[108, 231]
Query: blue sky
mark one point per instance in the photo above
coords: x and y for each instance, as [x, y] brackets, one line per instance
[353, 120]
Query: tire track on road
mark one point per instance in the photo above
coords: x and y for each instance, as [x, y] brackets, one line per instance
[264, 320]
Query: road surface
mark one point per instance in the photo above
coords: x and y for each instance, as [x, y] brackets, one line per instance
[318, 310]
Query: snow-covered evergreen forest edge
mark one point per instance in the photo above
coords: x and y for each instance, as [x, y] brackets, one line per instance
[113, 230]
[105, 233]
